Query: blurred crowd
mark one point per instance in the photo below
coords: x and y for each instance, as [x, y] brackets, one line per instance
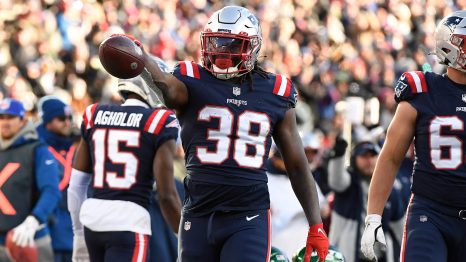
[332, 50]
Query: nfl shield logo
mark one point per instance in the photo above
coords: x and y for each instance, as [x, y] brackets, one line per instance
[236, 91]
[187, 225]
[463, 97]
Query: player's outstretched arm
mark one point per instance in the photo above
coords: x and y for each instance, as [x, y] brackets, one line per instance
[169, 199]
[175, 92]
[289, 142]
[399, 136]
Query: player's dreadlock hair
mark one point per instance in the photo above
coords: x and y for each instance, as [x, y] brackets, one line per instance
[260, 71]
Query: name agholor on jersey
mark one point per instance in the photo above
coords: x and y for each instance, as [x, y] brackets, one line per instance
[118, 118]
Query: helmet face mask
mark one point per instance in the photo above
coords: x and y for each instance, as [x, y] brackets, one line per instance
[231, 42]
[450, 40]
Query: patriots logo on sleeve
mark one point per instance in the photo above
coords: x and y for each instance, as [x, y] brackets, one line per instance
[174, 123]
[400, 87]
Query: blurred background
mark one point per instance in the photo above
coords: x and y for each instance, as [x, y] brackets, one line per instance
[332, 50]
[344, 57]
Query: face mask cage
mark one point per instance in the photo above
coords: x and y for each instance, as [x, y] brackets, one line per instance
[228, 55]
[459, 41]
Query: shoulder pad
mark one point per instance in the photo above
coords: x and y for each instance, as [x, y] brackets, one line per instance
[282, 86]
[410, 84]
[88, 122]
[156, 121]
[285, 88]
[187, 68]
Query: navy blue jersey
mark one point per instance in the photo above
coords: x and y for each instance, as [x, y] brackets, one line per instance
[227, 130]
[440, 140]
[122, 142]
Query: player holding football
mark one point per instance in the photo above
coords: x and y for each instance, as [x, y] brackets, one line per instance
[431, 109]
[123, 148]
[229, 110]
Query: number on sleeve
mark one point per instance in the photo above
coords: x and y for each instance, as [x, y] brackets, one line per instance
[439, 142]
[106, 144]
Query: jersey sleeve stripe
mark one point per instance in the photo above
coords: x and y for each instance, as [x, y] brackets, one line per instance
[88, 116]
[423, 80]
[278, 82]
[288, 88]
[189, 69]
[162, 122]
[414, 82]
[183, 68]
[149, 120]
[158, 121]
[195, 70]
[282, 86]
[410, 82]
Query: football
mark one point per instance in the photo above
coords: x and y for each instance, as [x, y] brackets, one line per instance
[121, 57]
[17, 253]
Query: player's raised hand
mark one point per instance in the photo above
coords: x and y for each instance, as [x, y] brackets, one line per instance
[372, 233]
[316, 239]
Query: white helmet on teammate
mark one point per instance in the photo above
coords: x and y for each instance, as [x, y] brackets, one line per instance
[143, 87]
[450, 40]
[230, 42]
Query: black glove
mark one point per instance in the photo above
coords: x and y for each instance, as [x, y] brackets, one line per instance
[339, 148]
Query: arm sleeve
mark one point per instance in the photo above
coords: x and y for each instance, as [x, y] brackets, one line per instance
[293, 97]
[409, 85]
[46, 174]
[77, 193]
[170, 130]
[338, 178]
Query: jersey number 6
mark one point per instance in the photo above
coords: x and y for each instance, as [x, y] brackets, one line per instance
[439, 142]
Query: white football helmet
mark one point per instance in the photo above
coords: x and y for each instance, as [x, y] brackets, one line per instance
[450, 40]
[146, 89]
[230, 42]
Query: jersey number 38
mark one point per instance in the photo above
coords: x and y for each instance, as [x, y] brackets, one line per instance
[223, 134]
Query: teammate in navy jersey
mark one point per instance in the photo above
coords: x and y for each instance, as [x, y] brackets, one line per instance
[431, 110]
[229, 110]
[123, 148]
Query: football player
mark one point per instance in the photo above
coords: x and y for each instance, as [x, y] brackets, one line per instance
[431, 110]
[229, 110]
[123, 148]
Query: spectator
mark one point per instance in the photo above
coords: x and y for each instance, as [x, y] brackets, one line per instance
[55, 130]
[30, 195]
[287, 216]
[351, 187]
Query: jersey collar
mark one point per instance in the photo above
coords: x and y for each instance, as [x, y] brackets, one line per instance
[134, 102]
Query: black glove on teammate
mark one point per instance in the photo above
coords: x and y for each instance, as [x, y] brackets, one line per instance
[339, 148]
